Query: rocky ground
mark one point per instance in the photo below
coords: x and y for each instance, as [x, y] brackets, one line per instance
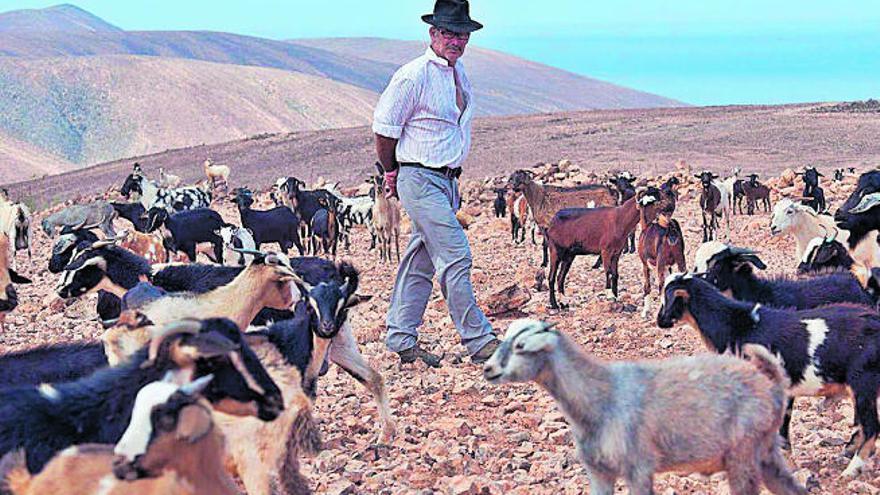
[458, 434]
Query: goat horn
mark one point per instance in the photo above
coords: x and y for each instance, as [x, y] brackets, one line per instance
[188, 326]
[833, 237]
[196, 387]
[825, 230]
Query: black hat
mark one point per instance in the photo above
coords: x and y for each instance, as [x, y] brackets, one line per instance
[453, 15]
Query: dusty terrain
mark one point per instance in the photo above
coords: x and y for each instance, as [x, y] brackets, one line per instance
[761, 139]
[458, 434]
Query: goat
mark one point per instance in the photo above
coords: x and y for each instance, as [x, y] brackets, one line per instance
[755, 191]
[170, 446]
[279, 224]
[8, 276]
[15, 222]
[189, 228]
[235, 241]
[623, 183]
[149, 246]
[825, 255]
[98, 214]
[859, 216]
[661, 245]
[386, 220]
[738, 195]
[500, 204]
[102, 266]
[325, 228]
[304, 203]
[521, 219]
[823, 350]
[838, 175]
[727, 188]
[67, 245]
[730, 269]
[814, 196]
[803, 223]
[710, 200]
[168, 181]
[353, 211]
[544, 201]
[265, 282]
[218, 175]
[603, 231]
[170, 200]
[47, 418]
[634, 419]
[134, 213]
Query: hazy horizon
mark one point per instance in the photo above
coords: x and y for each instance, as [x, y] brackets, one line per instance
[750, 53]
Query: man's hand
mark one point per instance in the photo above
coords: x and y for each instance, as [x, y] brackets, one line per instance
[391, 184]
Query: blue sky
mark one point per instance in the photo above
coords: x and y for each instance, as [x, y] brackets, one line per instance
[703, 52]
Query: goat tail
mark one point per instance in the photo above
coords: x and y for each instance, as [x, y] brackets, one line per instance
[766, 363]
[14, 475]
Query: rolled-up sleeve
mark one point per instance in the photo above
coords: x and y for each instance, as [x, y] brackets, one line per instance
[394, 107]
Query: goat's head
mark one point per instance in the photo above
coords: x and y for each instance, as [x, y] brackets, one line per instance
[155, 218]
[860, 204]
[243, 198]
[63, 250]
[524, 353]
[331, 299]
[753, 180]
[678, 290]
[720, 263]
[241, 385]
[519, 179]
[706, 177]
[824, 253]
[133, 184]
[86, 271]
[788, 215]
[167, 420]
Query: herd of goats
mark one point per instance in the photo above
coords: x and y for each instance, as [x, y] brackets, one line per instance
[207, 372]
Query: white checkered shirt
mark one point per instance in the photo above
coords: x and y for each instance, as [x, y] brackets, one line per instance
[419, 109]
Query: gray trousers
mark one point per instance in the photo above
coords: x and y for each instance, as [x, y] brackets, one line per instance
[437, 245]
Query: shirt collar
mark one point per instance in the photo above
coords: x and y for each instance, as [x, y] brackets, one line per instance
[437, 59]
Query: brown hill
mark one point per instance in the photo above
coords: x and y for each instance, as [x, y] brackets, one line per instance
[764, 139]
[21, 161]
[66, 18]
[95, 109]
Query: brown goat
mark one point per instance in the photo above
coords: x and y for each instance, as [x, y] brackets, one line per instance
[386, 220]
[545, 201]
[661, 245]
[148, 246]
[754, 192]
[603, 231]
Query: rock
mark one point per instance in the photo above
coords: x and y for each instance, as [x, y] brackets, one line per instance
[342, 487]
[462, 485]
[665, 343]
[510, 298]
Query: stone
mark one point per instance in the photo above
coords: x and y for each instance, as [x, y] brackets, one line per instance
[342, 487]
[510, 298]
[462, 485]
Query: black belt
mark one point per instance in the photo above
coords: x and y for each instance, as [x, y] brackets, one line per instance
[452, 173]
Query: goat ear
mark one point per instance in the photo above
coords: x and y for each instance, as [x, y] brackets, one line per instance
[535, 343]
[355, 299]
[193, 423]
[18, 279]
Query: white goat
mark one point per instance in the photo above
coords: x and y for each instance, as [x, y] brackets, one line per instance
[705, 413]
[168, 181]
[216, 173]
[802, 222]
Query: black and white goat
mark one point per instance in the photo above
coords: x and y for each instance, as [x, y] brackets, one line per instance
[730, 269]
[824, 350]
[170, 200]
[236, 240]
[825, 255]
[860, 216]
[47, 418]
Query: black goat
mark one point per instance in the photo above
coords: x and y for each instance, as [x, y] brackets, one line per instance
[325, 227]
[45, 419]
[755, 192]
[45, 364]
[623, 184]
[824, 255]
[738, 195]
[710, 202]
[134, 213]
[279, 224]
[188, 229]
[812, 190]
[730, 269]
[823, 350]
[305, 203]
[500, 203]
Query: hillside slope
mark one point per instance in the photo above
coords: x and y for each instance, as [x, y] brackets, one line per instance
[22, 161]
[95, 109]
[60, 18]
[761, 139]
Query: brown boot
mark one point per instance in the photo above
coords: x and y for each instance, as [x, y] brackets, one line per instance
[416, 352]
[486, 352]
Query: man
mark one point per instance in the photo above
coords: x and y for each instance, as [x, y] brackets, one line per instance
[423, 131]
